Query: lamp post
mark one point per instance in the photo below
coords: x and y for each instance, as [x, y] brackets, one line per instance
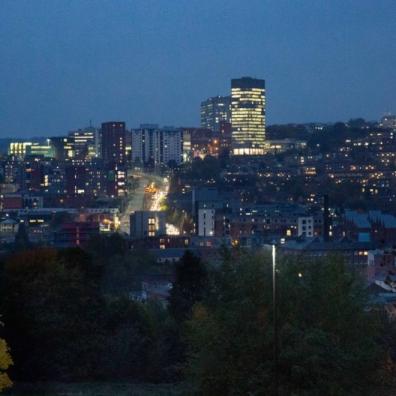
[275, 318]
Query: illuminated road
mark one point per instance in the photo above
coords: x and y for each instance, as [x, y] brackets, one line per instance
[139, 200]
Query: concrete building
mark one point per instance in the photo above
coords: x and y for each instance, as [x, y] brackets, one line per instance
[19, 149]
[74, 234]
[113, 140]
[144, 223]
[63, 147]
[206, 222]
[305, 226]
[84, 143]
[214, 111]
[154, 146]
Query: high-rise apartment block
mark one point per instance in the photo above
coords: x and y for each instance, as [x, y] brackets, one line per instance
[214, 111]
[156, 146]
[113, 137]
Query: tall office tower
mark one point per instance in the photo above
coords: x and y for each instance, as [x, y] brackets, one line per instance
[248, 116]
[113, 142]
[214, 111]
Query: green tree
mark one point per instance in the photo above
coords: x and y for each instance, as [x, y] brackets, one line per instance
[52, 315]
[107, 246]
[189, 286]
[128, 341]
[5, 363]
[327, 337]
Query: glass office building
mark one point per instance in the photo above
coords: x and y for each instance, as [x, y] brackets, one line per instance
[248, 116]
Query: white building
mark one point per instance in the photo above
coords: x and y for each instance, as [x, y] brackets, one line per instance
[305, 226]
[157, 146]
[206, 222]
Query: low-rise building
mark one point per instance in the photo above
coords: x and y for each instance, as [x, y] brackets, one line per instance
[145, 224]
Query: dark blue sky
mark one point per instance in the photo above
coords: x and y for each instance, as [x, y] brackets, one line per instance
[66, 62]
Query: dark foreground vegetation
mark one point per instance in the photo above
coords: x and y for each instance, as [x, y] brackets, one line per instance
[68, 319]
[98, 389]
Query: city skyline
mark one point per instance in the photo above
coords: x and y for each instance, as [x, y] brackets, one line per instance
[198, 184]
[67, 63]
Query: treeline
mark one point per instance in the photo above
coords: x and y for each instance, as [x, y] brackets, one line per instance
[331, 340]
[68, 317]
[65, 321]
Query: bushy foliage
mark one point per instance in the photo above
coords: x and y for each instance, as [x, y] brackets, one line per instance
[5, 363]
[62, 327]
[65, 322]
[327, 337]
[50, 310]
[189, 286]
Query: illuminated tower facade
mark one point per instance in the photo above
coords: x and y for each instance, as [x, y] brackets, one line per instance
[248, 116]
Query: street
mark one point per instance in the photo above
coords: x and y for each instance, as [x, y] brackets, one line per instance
[138, 199]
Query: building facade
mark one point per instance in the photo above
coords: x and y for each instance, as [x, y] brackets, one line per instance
[113, 137]
[153, 146]
[215, 110]
[248, 116]
[84, 143]
[206, 222]
[145, 224]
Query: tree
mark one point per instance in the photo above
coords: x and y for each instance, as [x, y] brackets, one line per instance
[68, 318]
[22, 238]
[129, 336]
[189, 286]
[327, 337]
[107, 246]
[357, 123]
[52, 316]
[5, 363]
[206, 169]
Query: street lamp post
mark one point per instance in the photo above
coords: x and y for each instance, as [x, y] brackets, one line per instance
[275, 318]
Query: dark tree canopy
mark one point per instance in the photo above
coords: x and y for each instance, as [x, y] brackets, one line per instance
[327, 337]
[189, 286]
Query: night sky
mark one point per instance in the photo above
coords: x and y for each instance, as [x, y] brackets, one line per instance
[64, 63]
